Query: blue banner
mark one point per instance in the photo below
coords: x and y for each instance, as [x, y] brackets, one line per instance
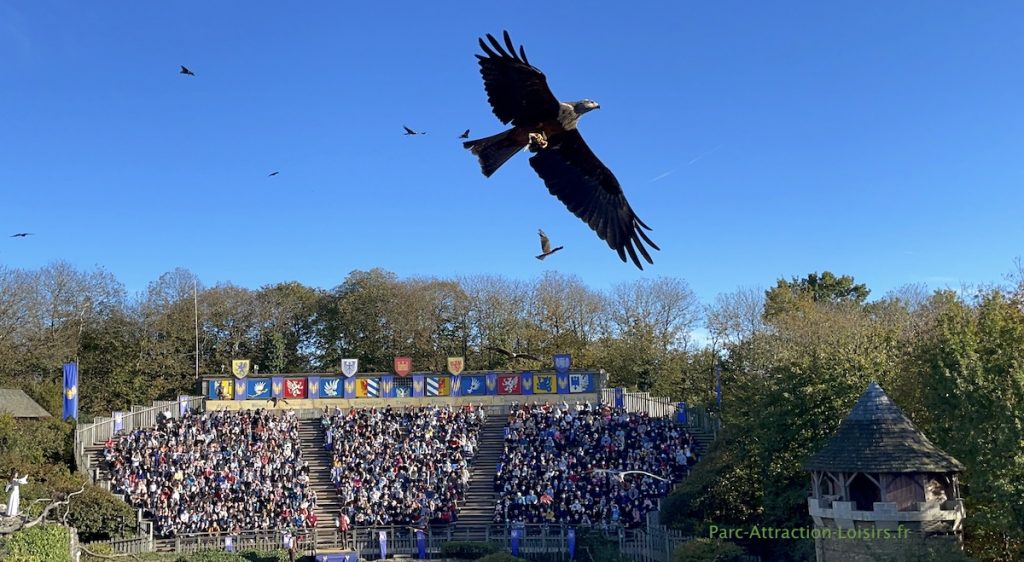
[492, 384]
[563, 382]
[620, 397]
[417, 386]
[240, 390]
[562, 362]
[383, 538]
[277, 387]
[473, 385]
[581, 382]
[118, 418]
[571, 537]
[516, 535]
[211, 390]
[331, 387]
[456, 385]
[718, 384]
[70, 391]
[527, 383]
[387, 386]
[350, 388]
[421, 544]
[312, 387]
[259, 389]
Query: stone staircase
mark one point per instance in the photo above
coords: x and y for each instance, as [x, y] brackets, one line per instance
[478, 508]
[328, 505]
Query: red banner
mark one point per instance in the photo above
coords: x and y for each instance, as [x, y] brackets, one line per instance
[294, 388]
[508, 384]
[403, 366]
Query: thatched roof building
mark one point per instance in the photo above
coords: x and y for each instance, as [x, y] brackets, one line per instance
[18, 404]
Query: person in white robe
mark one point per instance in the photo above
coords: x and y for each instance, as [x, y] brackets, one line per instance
[13, 486]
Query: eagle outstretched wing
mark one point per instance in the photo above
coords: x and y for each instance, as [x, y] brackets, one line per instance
[545, 244]
[517, 91]
[588, 188]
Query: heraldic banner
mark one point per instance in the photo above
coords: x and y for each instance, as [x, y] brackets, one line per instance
[455, 365]
[70, 391]
[259, 389]
[403, 366]
[240, 368]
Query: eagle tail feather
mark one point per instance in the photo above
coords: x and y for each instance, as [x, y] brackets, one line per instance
[495, 150]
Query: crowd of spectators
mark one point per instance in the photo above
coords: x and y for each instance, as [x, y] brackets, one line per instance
[566, 464]
[215, 472]
[402, 466]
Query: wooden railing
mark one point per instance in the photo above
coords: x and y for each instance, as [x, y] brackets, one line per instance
[102, 428]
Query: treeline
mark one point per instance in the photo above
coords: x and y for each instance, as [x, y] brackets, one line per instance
[136, 348]
[795, 360]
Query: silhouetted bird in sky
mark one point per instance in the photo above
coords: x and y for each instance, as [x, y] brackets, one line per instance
[21, 235]
[409, 131]
[519, 94]
[186, 71]
[272, 174]
[464, 135]
[513, 355]
[545, 246]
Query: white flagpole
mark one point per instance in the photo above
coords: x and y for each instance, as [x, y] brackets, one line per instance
[195, 302]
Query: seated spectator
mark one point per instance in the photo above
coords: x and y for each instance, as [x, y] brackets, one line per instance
[214, 471]
[402, 467]
[562, 464]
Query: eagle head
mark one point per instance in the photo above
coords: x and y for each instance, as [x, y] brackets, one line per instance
[584, 106]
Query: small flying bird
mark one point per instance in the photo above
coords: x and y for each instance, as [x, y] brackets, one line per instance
[519, 94]
[21, 235]
[545, 246]
[621, 475]
[464, 135]
[512, 355]
[186, 71]
[272, 174]
[409, 131]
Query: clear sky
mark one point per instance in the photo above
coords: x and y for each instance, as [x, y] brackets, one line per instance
[759, 139]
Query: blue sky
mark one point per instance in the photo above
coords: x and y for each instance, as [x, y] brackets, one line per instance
[758, 139]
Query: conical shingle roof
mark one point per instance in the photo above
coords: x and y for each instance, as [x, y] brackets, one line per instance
[877, 437]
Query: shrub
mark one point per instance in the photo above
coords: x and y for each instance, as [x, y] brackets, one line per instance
[708, 550]
[500, 557]
[97, 514]
[467, 550]
[45, 543]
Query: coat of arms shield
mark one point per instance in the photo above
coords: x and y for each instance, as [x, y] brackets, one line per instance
[349, 367]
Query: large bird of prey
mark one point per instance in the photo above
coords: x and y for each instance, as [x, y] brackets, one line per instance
[545, 246]
[465, 134]
[518, 93]
[21, 235]
[186, 71]
[409, 131]
[512, 355]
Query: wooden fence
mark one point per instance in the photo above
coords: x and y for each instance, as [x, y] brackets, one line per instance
[102, 428]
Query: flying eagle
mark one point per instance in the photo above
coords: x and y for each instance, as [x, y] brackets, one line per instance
[465, 134]
[21, 235]
[545, 246]
[272, 174]
[186, 71]
[409, 131]
[518, 93]
[513, 355]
